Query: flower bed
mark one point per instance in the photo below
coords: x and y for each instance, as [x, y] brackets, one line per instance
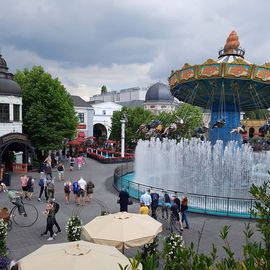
[111, 156]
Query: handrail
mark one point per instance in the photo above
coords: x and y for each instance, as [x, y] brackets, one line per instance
[208, 204]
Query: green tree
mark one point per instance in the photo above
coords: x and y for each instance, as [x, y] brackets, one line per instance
[48, 111]
[192, 117]
[256, 114]
[135, 117]
[104, 89]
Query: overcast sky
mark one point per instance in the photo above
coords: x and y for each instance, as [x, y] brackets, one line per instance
[126, 43]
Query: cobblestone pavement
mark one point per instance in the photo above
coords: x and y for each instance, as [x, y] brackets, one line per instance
[22, 241]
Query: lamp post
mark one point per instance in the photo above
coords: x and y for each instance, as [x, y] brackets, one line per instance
[123, 122]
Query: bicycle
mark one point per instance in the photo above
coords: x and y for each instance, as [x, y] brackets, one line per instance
[23, 220]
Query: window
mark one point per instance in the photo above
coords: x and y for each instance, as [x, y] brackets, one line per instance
[152, 106]
[163, 106]
[4, 112]
[16, 112]
[81, 117]
[104, 112]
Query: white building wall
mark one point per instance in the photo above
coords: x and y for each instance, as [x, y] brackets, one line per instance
[103, 114]
[123, 95]
[11, 126]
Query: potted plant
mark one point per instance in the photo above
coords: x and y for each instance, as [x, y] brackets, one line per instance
[4, 260]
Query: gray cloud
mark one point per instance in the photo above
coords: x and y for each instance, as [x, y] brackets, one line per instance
[126, 43]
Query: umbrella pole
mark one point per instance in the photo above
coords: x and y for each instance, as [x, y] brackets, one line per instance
[123, 249]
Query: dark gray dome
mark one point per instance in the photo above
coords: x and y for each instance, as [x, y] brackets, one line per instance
[3, 63]
[8, 87]
[159, 92]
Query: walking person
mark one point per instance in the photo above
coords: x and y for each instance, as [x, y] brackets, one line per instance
[71, 163]
[50, 188]
[89, 191]
[184, 209]
[56, 206]
[166, 204]
[50, 212]
[75, 190]
[123, 200]
[60, 169]
[48, 170]
[177, 201]
[67, 190]
[79, 162]
[174, 220]
[154, 204]
[144, 210]
[82, 190]
[30, 187]
[42, 186]
[23, 180]
[146, 198]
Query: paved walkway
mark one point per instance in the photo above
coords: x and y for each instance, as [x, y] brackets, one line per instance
[23, 241]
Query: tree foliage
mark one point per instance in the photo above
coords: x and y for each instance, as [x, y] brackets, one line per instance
[191, 115]
[104, 89]
[261, 114]
[135, 117]
[48, 111]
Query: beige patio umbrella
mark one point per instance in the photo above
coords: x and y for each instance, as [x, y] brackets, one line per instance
[122, 230]
[74, 255]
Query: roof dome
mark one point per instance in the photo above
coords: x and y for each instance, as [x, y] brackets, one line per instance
[159, 92]
[8, 87]
[3, 63]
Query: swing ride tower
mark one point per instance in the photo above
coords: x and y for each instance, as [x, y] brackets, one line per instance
[224, 87]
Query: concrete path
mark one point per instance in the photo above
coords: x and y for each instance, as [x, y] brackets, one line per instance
[23, 241]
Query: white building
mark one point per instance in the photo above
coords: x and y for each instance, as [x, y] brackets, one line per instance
[103, 112]
[11, 137]
[124, 95]
[85, 114]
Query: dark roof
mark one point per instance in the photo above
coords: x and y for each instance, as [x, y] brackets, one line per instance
[132, 103]
[159, 92]
[8, 87]
[79, 102]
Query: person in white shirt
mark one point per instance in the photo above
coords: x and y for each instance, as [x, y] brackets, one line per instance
[82, 188]
[146, 198]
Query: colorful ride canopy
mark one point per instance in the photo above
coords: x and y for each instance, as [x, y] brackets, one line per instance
[225, 87]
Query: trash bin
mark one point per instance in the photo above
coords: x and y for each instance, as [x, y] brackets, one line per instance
[7, 178]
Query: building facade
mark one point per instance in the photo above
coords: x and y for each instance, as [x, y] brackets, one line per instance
[103, 112]
[12, 141]
[85, 114]
[124, 95]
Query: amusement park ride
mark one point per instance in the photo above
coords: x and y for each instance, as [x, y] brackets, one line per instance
[225, 87]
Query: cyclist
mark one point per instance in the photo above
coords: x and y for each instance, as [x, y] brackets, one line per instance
[15, 198]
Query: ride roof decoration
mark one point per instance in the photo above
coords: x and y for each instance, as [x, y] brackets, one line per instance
[247, 86]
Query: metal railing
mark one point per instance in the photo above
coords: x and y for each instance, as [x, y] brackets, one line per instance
[198, 203]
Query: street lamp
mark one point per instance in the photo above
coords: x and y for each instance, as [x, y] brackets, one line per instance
[123, 122]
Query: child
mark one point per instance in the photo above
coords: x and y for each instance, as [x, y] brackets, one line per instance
[144, 210]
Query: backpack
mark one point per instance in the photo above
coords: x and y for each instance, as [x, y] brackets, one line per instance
[75, 186]
[167, 198]
[56, 207]
[66, 188]
[41, 182]
[50, 185]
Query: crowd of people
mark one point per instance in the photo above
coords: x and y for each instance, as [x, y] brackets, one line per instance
[172, 208]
